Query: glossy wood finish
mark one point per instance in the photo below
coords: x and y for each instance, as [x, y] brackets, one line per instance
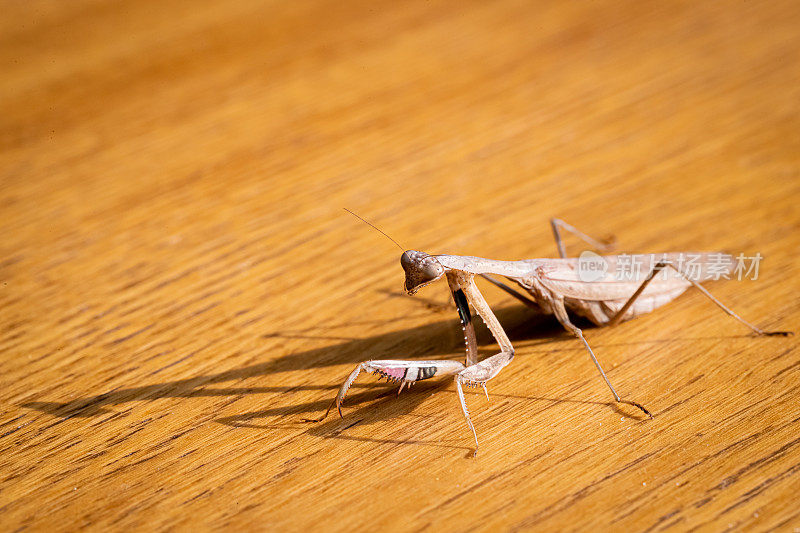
[180, 285]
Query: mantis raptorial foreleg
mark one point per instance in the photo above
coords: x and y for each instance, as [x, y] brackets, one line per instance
[465, 292]
[395, 370]
[479, 373]
[561, 314]
[462, 305]
[664, 264]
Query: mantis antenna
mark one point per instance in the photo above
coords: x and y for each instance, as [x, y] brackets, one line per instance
[374, 227]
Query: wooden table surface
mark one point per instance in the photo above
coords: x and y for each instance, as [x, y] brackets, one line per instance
[180, 284]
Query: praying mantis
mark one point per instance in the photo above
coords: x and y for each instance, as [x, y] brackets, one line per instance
[554, 286]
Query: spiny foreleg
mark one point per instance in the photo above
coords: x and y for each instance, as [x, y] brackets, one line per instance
[397, 371]
[479, 373]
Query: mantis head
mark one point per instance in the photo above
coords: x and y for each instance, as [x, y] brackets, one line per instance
[421, 269]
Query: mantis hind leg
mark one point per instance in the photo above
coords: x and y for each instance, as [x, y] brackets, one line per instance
[668, 264]
[557, 224]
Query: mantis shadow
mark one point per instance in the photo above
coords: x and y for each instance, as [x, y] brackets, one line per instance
[373, 406]
[440, 339]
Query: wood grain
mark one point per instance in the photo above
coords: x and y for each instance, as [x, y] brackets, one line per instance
[180, 285]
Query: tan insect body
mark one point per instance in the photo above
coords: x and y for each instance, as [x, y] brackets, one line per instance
[552, 285]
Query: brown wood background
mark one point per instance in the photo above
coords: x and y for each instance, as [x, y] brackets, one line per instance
[180, 285]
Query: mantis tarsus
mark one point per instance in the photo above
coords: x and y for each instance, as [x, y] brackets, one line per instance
[553, 286]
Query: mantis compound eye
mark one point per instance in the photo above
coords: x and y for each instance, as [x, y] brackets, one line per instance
[420, 269]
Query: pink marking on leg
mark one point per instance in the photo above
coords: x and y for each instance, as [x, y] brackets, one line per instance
[394, 372]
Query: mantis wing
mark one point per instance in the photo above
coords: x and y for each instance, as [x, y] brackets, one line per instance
[616, 277]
